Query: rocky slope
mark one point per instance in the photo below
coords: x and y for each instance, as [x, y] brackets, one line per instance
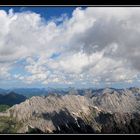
[49, 113]
[110, 111]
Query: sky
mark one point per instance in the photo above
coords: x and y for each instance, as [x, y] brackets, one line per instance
[69, 47]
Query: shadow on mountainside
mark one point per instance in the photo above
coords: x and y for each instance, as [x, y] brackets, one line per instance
[116, 123]
[66, 123]
[119, 123]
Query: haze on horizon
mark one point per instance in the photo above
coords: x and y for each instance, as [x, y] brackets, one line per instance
[66, 47]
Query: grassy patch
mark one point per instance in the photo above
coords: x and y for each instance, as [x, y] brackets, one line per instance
[4, 108]
[9, 125]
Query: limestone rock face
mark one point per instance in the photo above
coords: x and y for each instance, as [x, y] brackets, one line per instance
[124, 101]
[48, 113]
[37, 105]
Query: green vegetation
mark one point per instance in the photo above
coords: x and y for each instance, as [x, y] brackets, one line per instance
[34, 131]
[9, 125]
[4, 108]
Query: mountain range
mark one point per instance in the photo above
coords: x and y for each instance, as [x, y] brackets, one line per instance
[11, 99]
[100, 111]
[29, 92]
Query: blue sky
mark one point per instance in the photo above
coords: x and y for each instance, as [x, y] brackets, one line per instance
[69, 47]
[45, 12]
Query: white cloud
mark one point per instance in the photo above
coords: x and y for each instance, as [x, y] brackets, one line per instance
[95, 44]
[4, 74]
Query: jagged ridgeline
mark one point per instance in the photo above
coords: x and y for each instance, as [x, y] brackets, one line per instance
[95, 111]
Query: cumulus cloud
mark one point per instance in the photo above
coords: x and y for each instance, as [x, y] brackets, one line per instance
[96, 44]
[4, 74]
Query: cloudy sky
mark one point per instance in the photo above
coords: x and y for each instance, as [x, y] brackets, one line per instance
[73, 46]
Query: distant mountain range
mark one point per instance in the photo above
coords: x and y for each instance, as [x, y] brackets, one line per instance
[106, 110]
[29, 92]
[11, 99]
